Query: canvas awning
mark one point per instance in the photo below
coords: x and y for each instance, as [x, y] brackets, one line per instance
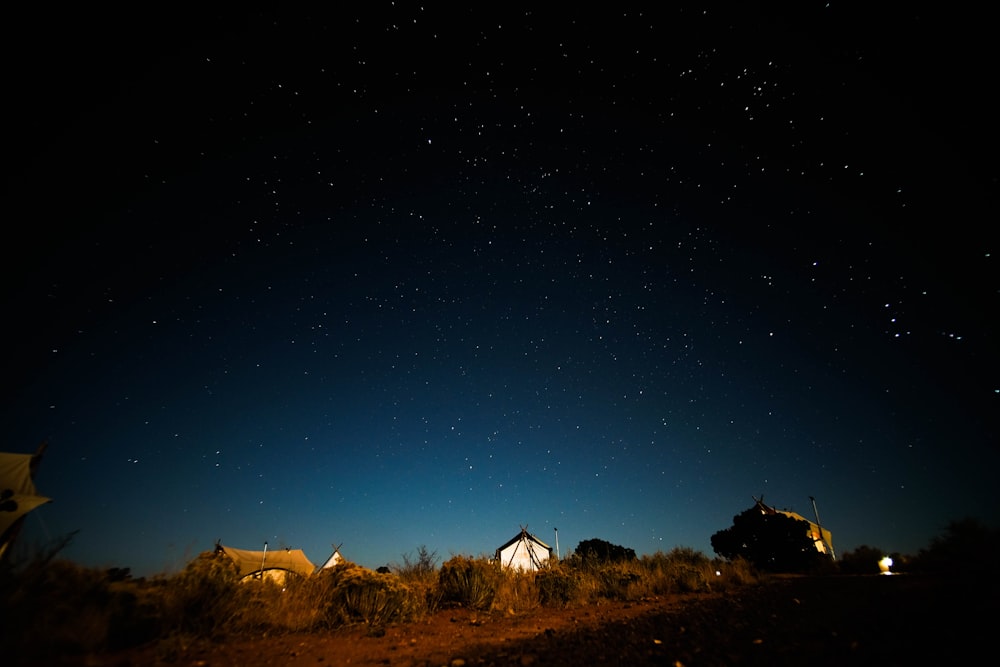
[17, 493]
[251, 562]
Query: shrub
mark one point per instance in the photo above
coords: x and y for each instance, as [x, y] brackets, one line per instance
[863, 560]
[619, 581]
[468, 582]
[53, 608]
[517, 590]
[964, 550]
[735, 572]
[419, 573]
[421, 566]
[689, 571]
[298, 605]
[205, 599]
[664, 574]
[357, 594]
[558, 585]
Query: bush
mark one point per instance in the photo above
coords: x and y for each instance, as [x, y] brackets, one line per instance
[422, 566]
[863, 560]
[57, 608]
[558, 585]
[420, 574]
[735, 573]
[362, 595]
[205, 599]
[517, 590]
[619, 581]
[682, 570]
[299, 605]
[965, 550]
[469, 582]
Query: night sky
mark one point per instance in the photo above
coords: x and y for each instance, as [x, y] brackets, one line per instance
[410, 276]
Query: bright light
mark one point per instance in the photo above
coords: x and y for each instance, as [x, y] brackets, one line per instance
[884, 565]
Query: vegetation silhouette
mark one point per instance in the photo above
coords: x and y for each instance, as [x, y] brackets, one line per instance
[596, 550]
[966, 549]
[771, 542]
[51, 608]
[864, 560]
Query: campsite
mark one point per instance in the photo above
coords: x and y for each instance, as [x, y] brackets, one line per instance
[676, 608]
[522, 605]
[857, 620]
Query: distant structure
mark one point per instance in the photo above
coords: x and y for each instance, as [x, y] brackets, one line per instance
[334, 559]
[18, 495]
[524, 551]
[275, 565]
[821, 537]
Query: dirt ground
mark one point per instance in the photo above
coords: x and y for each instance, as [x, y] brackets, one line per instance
[873, 620]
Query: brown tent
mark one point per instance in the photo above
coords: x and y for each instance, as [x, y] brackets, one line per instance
[275, 564]
[17, 493]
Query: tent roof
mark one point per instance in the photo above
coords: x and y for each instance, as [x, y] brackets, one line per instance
[249, 562]
[17, 492]
[767, 509]
[524, 550]
[524, 534]
[335, 557]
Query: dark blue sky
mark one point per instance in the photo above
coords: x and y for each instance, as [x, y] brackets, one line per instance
[408, 277]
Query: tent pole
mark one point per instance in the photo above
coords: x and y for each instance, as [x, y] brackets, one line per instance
[820, 527]
[263, 556]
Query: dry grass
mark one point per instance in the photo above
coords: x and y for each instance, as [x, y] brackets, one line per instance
[54, 607]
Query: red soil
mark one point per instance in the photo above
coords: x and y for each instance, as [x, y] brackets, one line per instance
[874, 620]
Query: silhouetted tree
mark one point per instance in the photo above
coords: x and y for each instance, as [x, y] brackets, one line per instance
[967, 547]
[771, 542]
[601, 551]
[424, 563]
[863, 560]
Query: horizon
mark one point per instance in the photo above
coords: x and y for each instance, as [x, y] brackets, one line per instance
[22, 551]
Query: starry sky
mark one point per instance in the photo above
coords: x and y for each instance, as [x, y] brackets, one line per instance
[409, 275]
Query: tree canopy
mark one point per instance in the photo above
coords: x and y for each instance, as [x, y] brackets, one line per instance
[602, 551]
[771, 542]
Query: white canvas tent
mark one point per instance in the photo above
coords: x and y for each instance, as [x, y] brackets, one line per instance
[18, 495]
[524, 551]
[273, 564]
[333, 560]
